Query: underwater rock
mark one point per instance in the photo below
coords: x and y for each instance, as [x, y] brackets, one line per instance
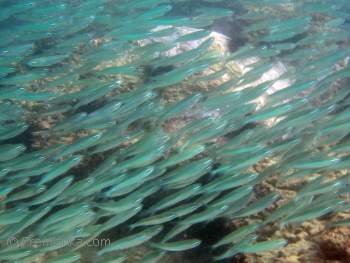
[335, 244]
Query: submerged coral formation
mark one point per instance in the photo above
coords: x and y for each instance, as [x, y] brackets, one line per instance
[136, 122]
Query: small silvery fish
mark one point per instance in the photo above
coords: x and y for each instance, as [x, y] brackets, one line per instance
[118, 219]
[232, 196]
[185, 154]
[157, 219]
[46, 61]
[60, 169]
[132, 240]
[310, 189]
[74, 192]
[53, 191]
[130, 183]
[173, 232]
[23, 94]
[307, 214]
[10, 151]
[70, 211]
[312, 164]
[258, 206]
[112, 222]
[177, 245]
[236, 248]
[237, 235]
[12, 216]
[142, 159]
[181, 106]
[228, 182]
[265, 246]
[26, 193]
[70, 223]
[119, 206]
[27, 161]
[207, 215]
[29, 220]
[187, 174]
[79, 145]
[183, 210]
[12, 130]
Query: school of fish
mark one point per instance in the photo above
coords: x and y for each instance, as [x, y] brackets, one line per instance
[94, 85]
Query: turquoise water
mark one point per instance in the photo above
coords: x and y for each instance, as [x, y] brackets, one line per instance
[130, 126]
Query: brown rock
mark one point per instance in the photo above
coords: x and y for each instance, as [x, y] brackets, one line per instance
[335, 244]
